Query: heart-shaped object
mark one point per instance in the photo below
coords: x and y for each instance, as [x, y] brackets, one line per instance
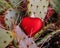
[31, 25]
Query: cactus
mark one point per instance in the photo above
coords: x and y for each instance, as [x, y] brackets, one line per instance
[4, 5]
[10, 18]
[38, 7]
[14, 3]
[55, 5]
[5, 37]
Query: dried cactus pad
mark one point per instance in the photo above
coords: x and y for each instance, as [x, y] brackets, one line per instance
[56, 5]
[5, 38]
[38, 7]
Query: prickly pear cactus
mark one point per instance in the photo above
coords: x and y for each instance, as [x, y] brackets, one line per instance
[14, 3]
[55, 5]
[4, 5]
[38, 7]
[5, 37]
[10, 17]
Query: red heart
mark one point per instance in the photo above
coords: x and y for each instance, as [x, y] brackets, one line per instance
[31, 25]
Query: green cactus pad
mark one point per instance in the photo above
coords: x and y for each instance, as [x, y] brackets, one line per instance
[10, 18]
[38, 7]
[5, 37]
[15, 3]
[4, 5]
